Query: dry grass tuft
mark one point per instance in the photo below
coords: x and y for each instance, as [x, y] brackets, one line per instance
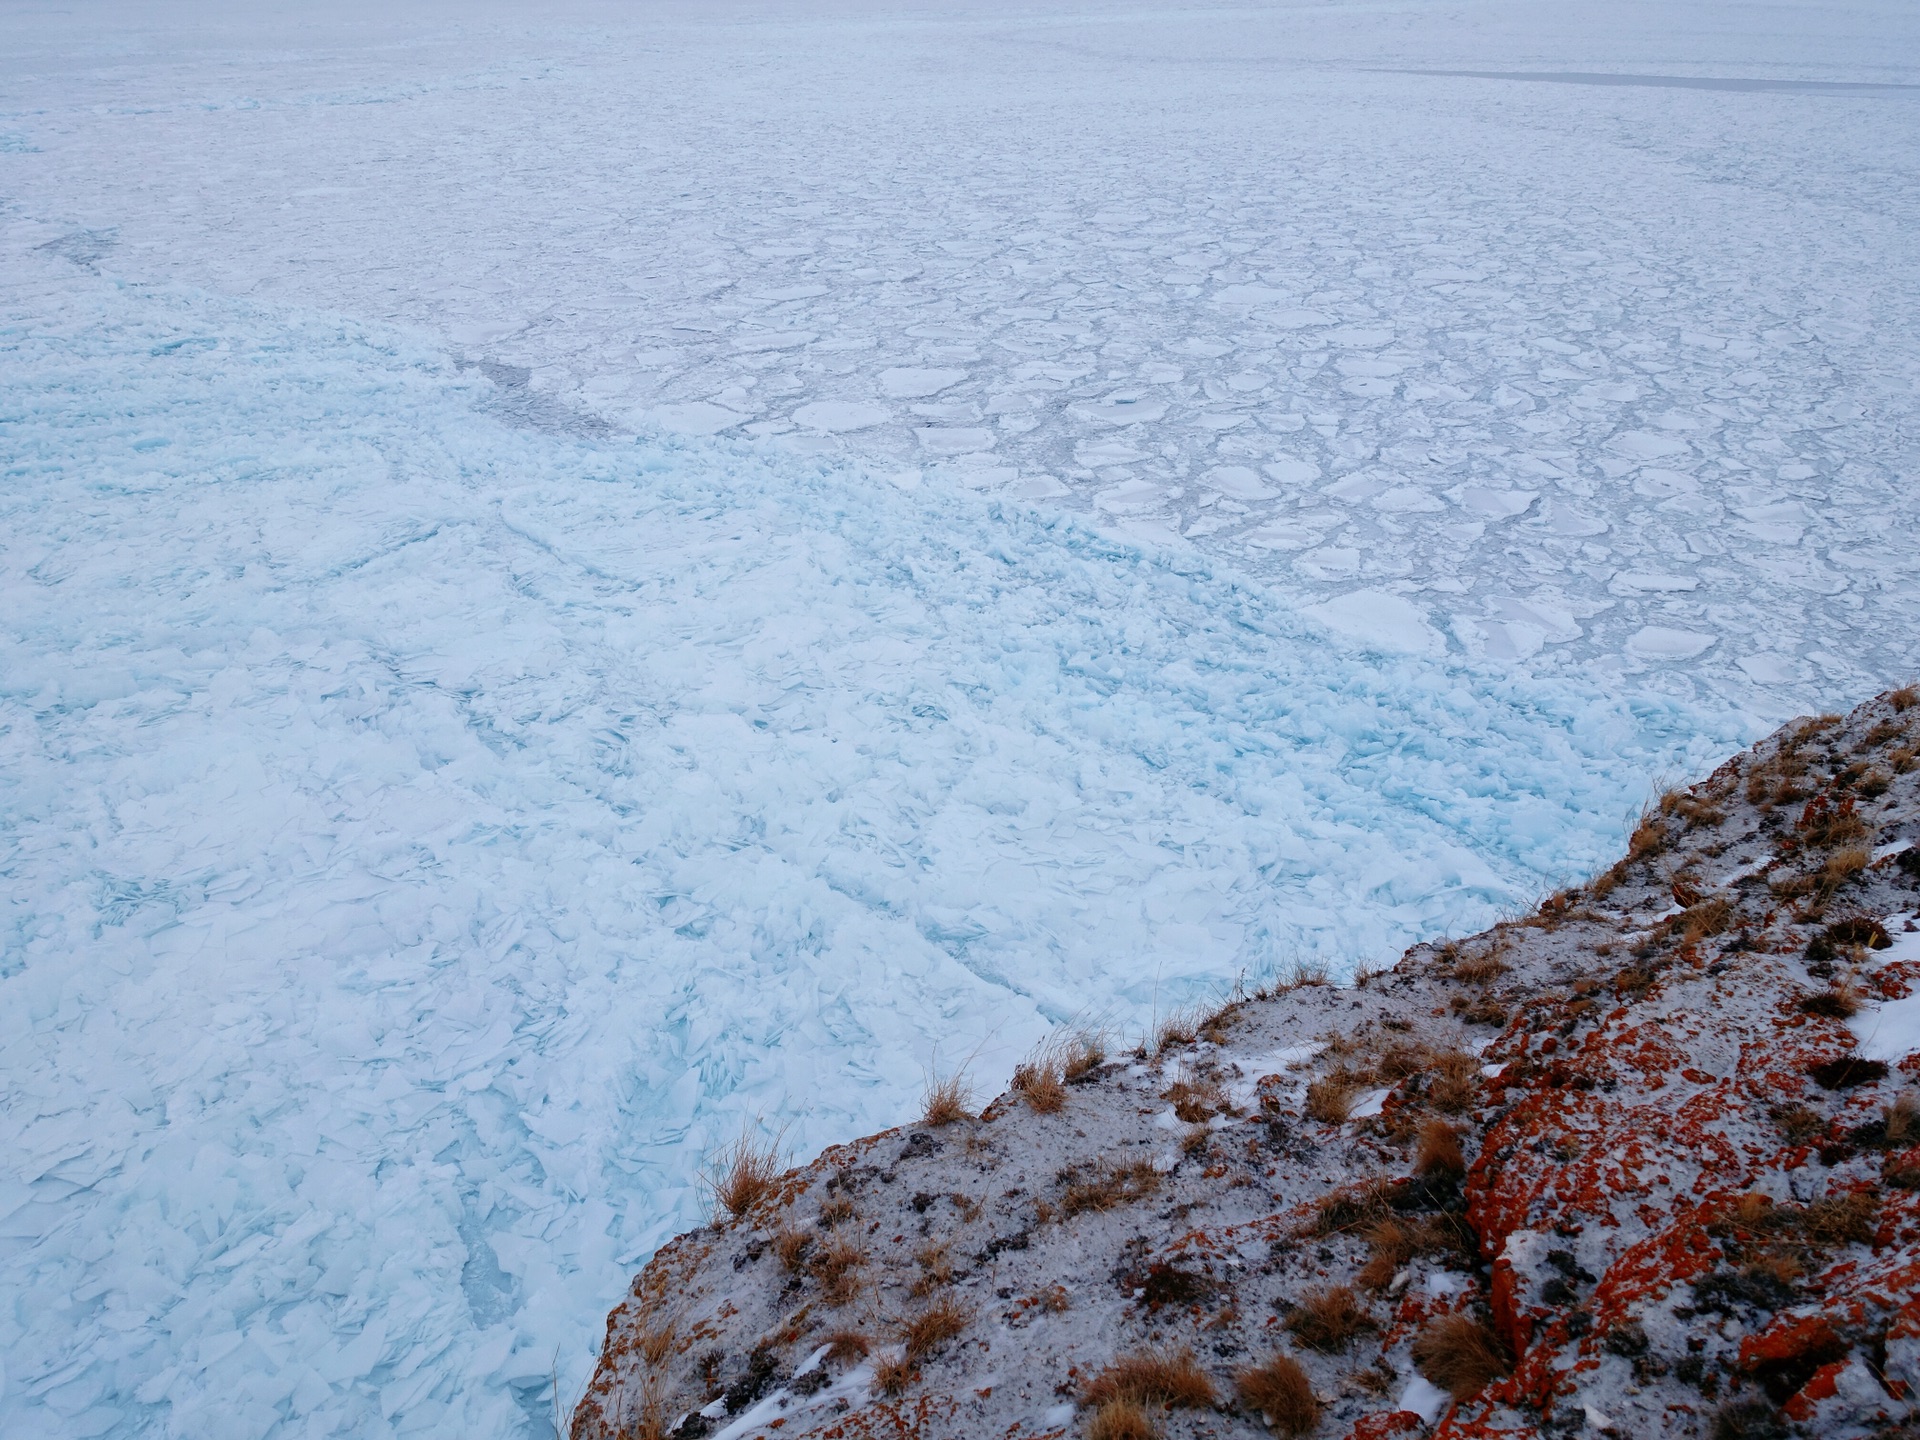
[892, 1377]
[947, 1100]
[943, 1320]
[836, 1211]
[1121, 1420]
[1281, 1392]
[1841, 1219]
[1799, 1123]
[837, 1267]
[1394, 1241]
[844, 1346]
[790, 1249]
[1704, 920]
[1439, 1154]
[1172, 1378]
[1195, 1101]
[1842, 1002]
[1352, 1208]
[1901, 1120]
[1041, 1085]
[1478, 969]
[743, 1174]
[1329, 1320]
[1085, 1052]
[1109, 1186]
[1456, 1082]
[1904, 699]
[936, 1270]
[1649, 839]
[1330, 1099]
[1460, 1355]
[1181, 1027]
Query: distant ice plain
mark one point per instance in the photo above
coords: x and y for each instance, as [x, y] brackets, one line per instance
[427, 829]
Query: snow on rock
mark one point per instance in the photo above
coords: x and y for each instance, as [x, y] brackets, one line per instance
[1686, 1202]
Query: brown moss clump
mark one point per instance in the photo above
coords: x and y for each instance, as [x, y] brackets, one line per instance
[1280, 1391]
[1329, 1320]
[1169, 1378]
[1460, 1355]
[1108, 1186]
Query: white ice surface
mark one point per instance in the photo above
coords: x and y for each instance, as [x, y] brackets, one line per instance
[1607, 379]
[424, 835]
[422, 832]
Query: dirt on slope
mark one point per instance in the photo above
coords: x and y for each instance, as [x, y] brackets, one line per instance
[1646, 1162]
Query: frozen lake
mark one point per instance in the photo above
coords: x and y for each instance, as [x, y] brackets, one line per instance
[568, 585]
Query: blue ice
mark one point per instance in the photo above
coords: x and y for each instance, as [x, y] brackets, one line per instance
[422, 838]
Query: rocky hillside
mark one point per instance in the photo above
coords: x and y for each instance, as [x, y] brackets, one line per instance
[1646, 1162]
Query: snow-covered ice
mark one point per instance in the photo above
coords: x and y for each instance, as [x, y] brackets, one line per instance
[524, 645]
[425, 835]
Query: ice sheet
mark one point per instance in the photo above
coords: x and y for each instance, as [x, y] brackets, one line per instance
[424, 835]
[1498, 352]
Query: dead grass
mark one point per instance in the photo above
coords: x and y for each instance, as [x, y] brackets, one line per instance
[1902, 1121]
[742, 1174]
[1799, 1123]
[1396, 1240]
[1086, 1052]
[1108, 1187]
[892, 1377]
[1841, 1219]
[1478, 969]
[1042, 1086]
[1280, 1390]
[945, 1319]
[836, 1211]
[1904, 699]
[936, 1270]
[790, 1249]
[1704, 920]
[1460, 1355]
[1329, 1320]
[1121, 1420]
[1649, 839]
[846, 1346]
[1352, 1208]
[1330, 1099]
[1439, 1155]
[1195, 1101]
[1698, 813]
[1842, 1002]
[1181, 1027]
[1456, 1082]
[947, 1100]
[837, 1267]
[1171, 1378]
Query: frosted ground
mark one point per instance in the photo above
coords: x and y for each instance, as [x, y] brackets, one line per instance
[566, 586]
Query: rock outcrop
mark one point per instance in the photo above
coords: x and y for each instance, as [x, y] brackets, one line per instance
[1645, 1162]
